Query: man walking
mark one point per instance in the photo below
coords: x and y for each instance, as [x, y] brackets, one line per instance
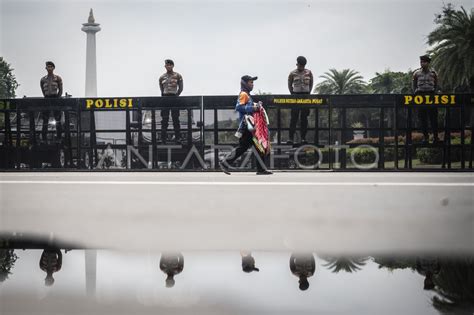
[246, 107]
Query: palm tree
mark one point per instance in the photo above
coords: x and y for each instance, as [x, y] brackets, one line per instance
[7, 261]
[452, 44]
[455, 287]
[346, 81]
[348, 264]
[389, 82]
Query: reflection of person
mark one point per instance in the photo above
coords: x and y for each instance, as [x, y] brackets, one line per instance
[300, 81]
[425, 82]
[428, 267]
[171, 264]
[50, 262]
[303, 266]
[248, 262]
[171, 84]
[52, 87]
[246, 107]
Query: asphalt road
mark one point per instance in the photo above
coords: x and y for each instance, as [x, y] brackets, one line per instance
[334, 212]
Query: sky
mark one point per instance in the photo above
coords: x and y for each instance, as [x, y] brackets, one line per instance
[213, 43]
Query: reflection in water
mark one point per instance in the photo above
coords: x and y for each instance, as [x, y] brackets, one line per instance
[248, 262]
[451, 278]
[455, 286]
[450, 281]
[171, 264]
[90, 257]
[428, 267]
[347, 264]
[303, 266]
[7, 261]
[51, 261]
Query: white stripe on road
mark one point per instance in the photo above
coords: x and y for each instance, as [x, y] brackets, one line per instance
[195, 183]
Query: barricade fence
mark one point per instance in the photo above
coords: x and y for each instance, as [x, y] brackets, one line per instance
[192, 133]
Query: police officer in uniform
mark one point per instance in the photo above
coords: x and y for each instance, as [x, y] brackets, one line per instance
[171, 264]
[303, 266]
[425, 82]
[52, 87]
[171, 84]
[300, 81]
[51, 261]
[248, 262]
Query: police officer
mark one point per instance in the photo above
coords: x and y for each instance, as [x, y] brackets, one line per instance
[303, 266]
[300, 81]
[171, 84]
[425, 82]
[52, 87]
[248, 262]
[428, 267]
[171, 264]
[51, 261]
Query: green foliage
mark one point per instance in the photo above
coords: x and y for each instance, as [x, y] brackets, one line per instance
[8, 83]
[389, 82]
[346, 81]
[363, 155]
[452, 44]
[7, 261]
[357, 124]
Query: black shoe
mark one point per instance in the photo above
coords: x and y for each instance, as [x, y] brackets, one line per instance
[289, 142]
[224, 168]
[264, 172]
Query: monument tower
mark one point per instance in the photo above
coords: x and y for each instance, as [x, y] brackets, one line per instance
[90, 28]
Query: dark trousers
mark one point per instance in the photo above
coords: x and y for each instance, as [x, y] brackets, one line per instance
[432, 114]
[245, 142]
[301, 113]
[425, 113]
[165, 117]
[45, 118]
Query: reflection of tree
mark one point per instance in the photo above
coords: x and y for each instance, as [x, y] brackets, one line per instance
[455, 287]
[453, 280]
[7, 260]
[347, 264]
[392, 263]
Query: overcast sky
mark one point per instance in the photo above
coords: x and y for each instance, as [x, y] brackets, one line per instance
[213, 43]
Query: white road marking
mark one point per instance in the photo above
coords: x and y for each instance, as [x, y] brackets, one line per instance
[201, 183]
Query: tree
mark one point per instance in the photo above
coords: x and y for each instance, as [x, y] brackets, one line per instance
[348, 264]
[8, 83]
[7, 261]
[389, 82]
[452, 49]
[346, 81]
[455, 286]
